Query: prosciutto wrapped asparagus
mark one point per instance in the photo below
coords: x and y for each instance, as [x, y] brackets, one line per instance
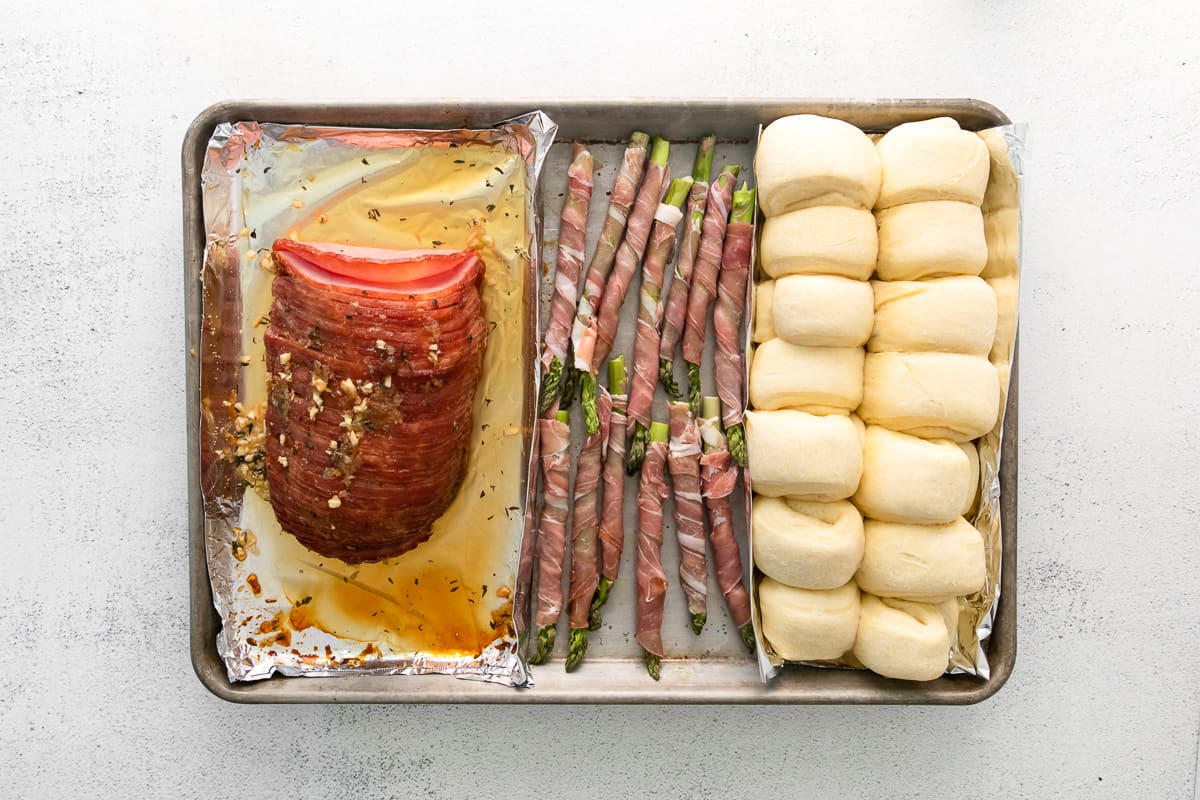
[683, 461]
[718, 478]
[651, 578]
[555, 438]
[704, 279]
[595, 343]
[612, 517]
[675, 308]
[585, 566]
[568, 265]
[624, 192]
[649, 322]
[727, 320]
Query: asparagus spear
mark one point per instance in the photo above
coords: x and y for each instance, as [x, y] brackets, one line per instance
[718, 477]
[684, 462]
[649, 323]
[704, 279]
[629, 256]
[612, 518]
[568, 265]
[651, 578]
[727, 319]
[583, 332]
[552, 529]
[675, 309]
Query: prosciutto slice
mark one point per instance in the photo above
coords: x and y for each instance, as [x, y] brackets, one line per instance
[718, 478]
[612, 517]
[727, 320]
[707, 267]
[585, 563]
[374, 357]
[675, 309]
[684, 463]
[555, 439]
[651, 578]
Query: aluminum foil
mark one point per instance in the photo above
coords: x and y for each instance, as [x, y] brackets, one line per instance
[446, 606]
[1002, 226]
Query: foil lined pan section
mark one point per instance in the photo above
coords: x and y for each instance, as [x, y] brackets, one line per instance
[1002, 227]
[447, 606]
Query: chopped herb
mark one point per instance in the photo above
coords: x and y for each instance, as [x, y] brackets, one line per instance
[389, 578]
[498, 170]
[253, 233]
[453, 589]
[416, 581]
[484, 591]
[459, 161]
[365, 162]
[373, 214]
[491, 207]
[436, 242]
[266, 170]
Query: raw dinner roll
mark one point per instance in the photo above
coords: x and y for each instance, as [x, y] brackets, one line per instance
[1006, 290]
[805, 544]
[902, 639]
[927, 562]
[822, 310]
[929, 240]
[806, 160]
[931, 395]
[950, 315]
[808, 624]
[906, 479]
[1002, 231]
[819, 380]
[764, 313]
[972, 454]
[804, 456]
[931, 160]
[1004, 185]
[825, 240]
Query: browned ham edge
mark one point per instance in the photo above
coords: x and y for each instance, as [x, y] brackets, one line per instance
[371, 390]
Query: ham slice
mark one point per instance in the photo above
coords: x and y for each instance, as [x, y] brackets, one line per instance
[684, 463]
[651, 578]
[374, 357]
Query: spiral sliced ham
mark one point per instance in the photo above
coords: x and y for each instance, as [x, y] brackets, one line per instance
[612, 516]
[554, 441]
[569, 264]
[374, 357]
[651, 578]
[727, 320]
[684, 464]
[718, 478]
[707, 267]
[675, 309]
[585, 563]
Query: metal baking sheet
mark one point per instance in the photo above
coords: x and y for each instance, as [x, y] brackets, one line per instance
[613, 672]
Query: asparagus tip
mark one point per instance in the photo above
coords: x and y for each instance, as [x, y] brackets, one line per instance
[736, 435]
[653, 665]
[545, 645]
[587, 399]
[743, 205]
[551, 385]
[694, 389]
[666, 374]
[698, 621]
[577, 648]
[637, 449]
[747, 632]
[599, 600]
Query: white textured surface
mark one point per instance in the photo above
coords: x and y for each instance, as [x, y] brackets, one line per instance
[96, 693]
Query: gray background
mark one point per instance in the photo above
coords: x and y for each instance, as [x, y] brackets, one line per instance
[96, 692]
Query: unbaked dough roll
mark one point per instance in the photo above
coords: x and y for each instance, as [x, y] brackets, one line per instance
[907, 479]
[807, 624]
[806, 160]
[950, 315]
[972, 454]
[804, 456]
[806, 544]
[1003, 187]
[1006, 291]
[823, 240]
[822, 310]
[931, 160]
[925, 561]
[929, 240]
[902, 639]
[931, 395]
[819, 380]
[764, 311]
[1002, 231]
